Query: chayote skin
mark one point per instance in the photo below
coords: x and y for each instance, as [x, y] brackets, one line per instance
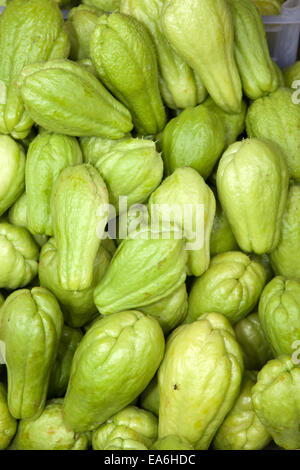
[202, 33]
[291, 75]
[125, 58]
[222, 238]
[279, 314]
[199, 379]
[125, 349]
[149, 399]
[142, 271]
[276, 401]
[252, 183]
[65, 98]
[252, 54]
[48, 432]
[79, 209]
[178, 83]
[285, 259]
[172, 443]
[47, 156]
[130, 167]
[195, 138]
[276, 117]
[19, 256]
[78, 306]
[31, 348]
[231, 286]
[269, 7]
[8, 424]
[241, 429]
[30, 31]
[60, 373]
[129, 429]
[255, 347]
[1, 299]
[186, 188]
[12, 171]
[107, 5]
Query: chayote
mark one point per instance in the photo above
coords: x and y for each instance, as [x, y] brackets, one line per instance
[77, 305]
[1, 299]
[178, 84]
[31, 345]
[184, 200]
[279, 314]
[276, 401]
[252, 183]
[285, 259]
[60, 373]
[66, 98]
[252, 54]
[269, 7]
[48, 432]
[202, 33]
[149, 399]
[107, 5]
[255, 347]
[30, 31]
[79, 209]
[242, 429]
[125, 58]
[279, 73]
[130, 429]
[231, 286]
[125, 349]
[130, 167]
[292, 75]
[48, 154]
[12, 171]
[8, 424]
[172, 443]
[19, 256]
[195, 138]
[277, 117]
[222, 238]
[153, 269]
[199, 379]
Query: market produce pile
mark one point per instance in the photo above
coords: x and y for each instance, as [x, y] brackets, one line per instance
[166, 121]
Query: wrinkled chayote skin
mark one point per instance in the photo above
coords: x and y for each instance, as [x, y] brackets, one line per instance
[276, 117]
[195, 138]
[172, 443]
[125, 349]
[41, 86]
[207, 46]
[241, 429]
[79, 206]
[252, 183]
[125, 58]
[285, 259]
[193, 405]
[149, 399]
[60, 373]
[19, 256]
[276, 401]
[107, 5]
[130, 429]
[30, 31]
[231, 286]
[8, 424]
[48, 432]
[279, 314]
[131, 167]
[178, 84]
[12, 171]
[77, 306]
[183, 188]
[292, 74]
[31, 346]
[48, 154]
[251, 338]
[222, 238]
[252, 54]
[142, 271]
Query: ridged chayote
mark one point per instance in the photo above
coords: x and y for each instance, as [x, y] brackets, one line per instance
[231, 286]
[125, 349]
[125, 58]
[199, 379]
[130, 429]
[8, 424]
[252, 183]
[31, 346]
[269, 7]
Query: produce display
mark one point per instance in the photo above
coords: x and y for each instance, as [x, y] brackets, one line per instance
[149, 228]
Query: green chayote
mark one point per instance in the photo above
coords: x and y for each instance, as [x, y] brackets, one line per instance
[8, 424]
[172, 443]
[222, 238]
[107, 5]
[292, 74]
[149, 399]
[1, 299]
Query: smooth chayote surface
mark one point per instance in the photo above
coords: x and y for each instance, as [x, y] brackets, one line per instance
[172, 443]
[222, 238]
[291, 74]
[8, 424]
[149, 399]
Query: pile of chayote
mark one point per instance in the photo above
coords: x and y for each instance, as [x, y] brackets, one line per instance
[151, 340]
